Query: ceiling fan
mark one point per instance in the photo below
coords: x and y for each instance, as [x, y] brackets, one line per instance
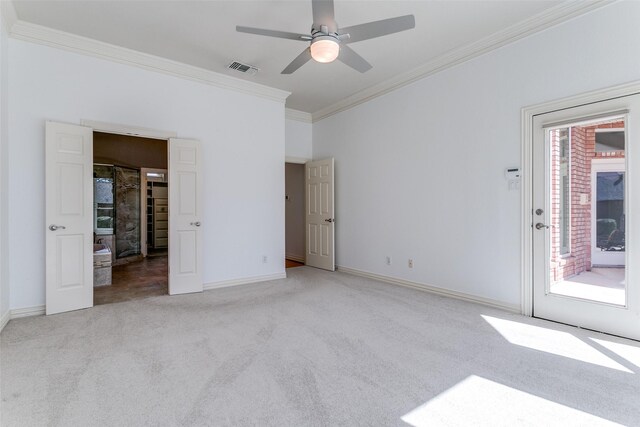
[329, 42]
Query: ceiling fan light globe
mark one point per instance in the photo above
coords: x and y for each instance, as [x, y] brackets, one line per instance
[325, 49]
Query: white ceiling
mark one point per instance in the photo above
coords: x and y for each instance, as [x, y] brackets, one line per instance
[202, 33]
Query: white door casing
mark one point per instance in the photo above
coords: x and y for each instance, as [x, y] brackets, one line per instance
[185, 228]
[69, 217]
[605, 317]
[320, 214]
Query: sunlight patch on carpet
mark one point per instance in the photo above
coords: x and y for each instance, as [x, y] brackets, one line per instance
[551, 341]
[628, 352]
[479, 401]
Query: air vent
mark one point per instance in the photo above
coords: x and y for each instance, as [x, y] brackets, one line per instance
[243, 68]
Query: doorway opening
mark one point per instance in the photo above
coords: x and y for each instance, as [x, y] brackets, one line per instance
[588, 216]
[294, 215]
[131, 217]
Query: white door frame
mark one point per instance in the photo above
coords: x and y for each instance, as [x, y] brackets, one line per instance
[526, 196]
[128, 130]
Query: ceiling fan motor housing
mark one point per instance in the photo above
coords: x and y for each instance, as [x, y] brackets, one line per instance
[332, 28]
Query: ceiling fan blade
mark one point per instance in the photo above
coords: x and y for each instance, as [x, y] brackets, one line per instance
[300, 60]
[273, 33]
[323, 15]
[374, 29]
[353, 60]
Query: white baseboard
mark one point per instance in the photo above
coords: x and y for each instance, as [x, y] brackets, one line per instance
[4, 319]
[37, 310]
[17, 313]
[514, 308]
[294, 257]
[244, 281]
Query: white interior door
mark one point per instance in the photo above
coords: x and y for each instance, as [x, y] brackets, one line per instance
[69, 217]
[185, 235]
[320, 219]
[569, 285]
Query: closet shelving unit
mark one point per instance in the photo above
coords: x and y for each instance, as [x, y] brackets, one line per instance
[157, 215]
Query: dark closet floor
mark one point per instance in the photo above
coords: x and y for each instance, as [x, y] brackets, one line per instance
[139, 279]
[142, 279]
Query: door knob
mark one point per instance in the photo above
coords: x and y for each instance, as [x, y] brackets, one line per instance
[54, 227]
[197, 223]
[540, 226]
[329, 220]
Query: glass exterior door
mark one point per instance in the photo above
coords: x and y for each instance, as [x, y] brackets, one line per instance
[584, 219]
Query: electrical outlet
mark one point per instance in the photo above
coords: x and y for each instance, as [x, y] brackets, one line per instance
[265, 259]
[388, 260]
[410, 263]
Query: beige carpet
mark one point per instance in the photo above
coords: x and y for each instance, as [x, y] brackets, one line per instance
[318, 349]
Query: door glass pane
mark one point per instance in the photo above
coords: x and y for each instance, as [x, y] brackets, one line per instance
[587, 216]
[103, 208]
[564, 189]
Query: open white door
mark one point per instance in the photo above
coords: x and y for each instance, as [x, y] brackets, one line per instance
[320, 221]
[69, 217]
[185, 240]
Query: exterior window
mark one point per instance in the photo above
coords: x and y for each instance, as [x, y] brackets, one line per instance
[564, 139]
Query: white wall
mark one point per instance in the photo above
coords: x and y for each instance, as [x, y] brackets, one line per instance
[298, 140]
[420, 171]
[243, 151]
[294, 211]
[4, 79]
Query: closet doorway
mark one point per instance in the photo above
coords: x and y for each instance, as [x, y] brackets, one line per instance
[69, 212]
[131, 217]
[294, 215]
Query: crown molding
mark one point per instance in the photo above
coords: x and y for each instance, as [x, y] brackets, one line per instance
[22, 30]
[8, 15]
[297, 115]
[26, 31]
[546, 19]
